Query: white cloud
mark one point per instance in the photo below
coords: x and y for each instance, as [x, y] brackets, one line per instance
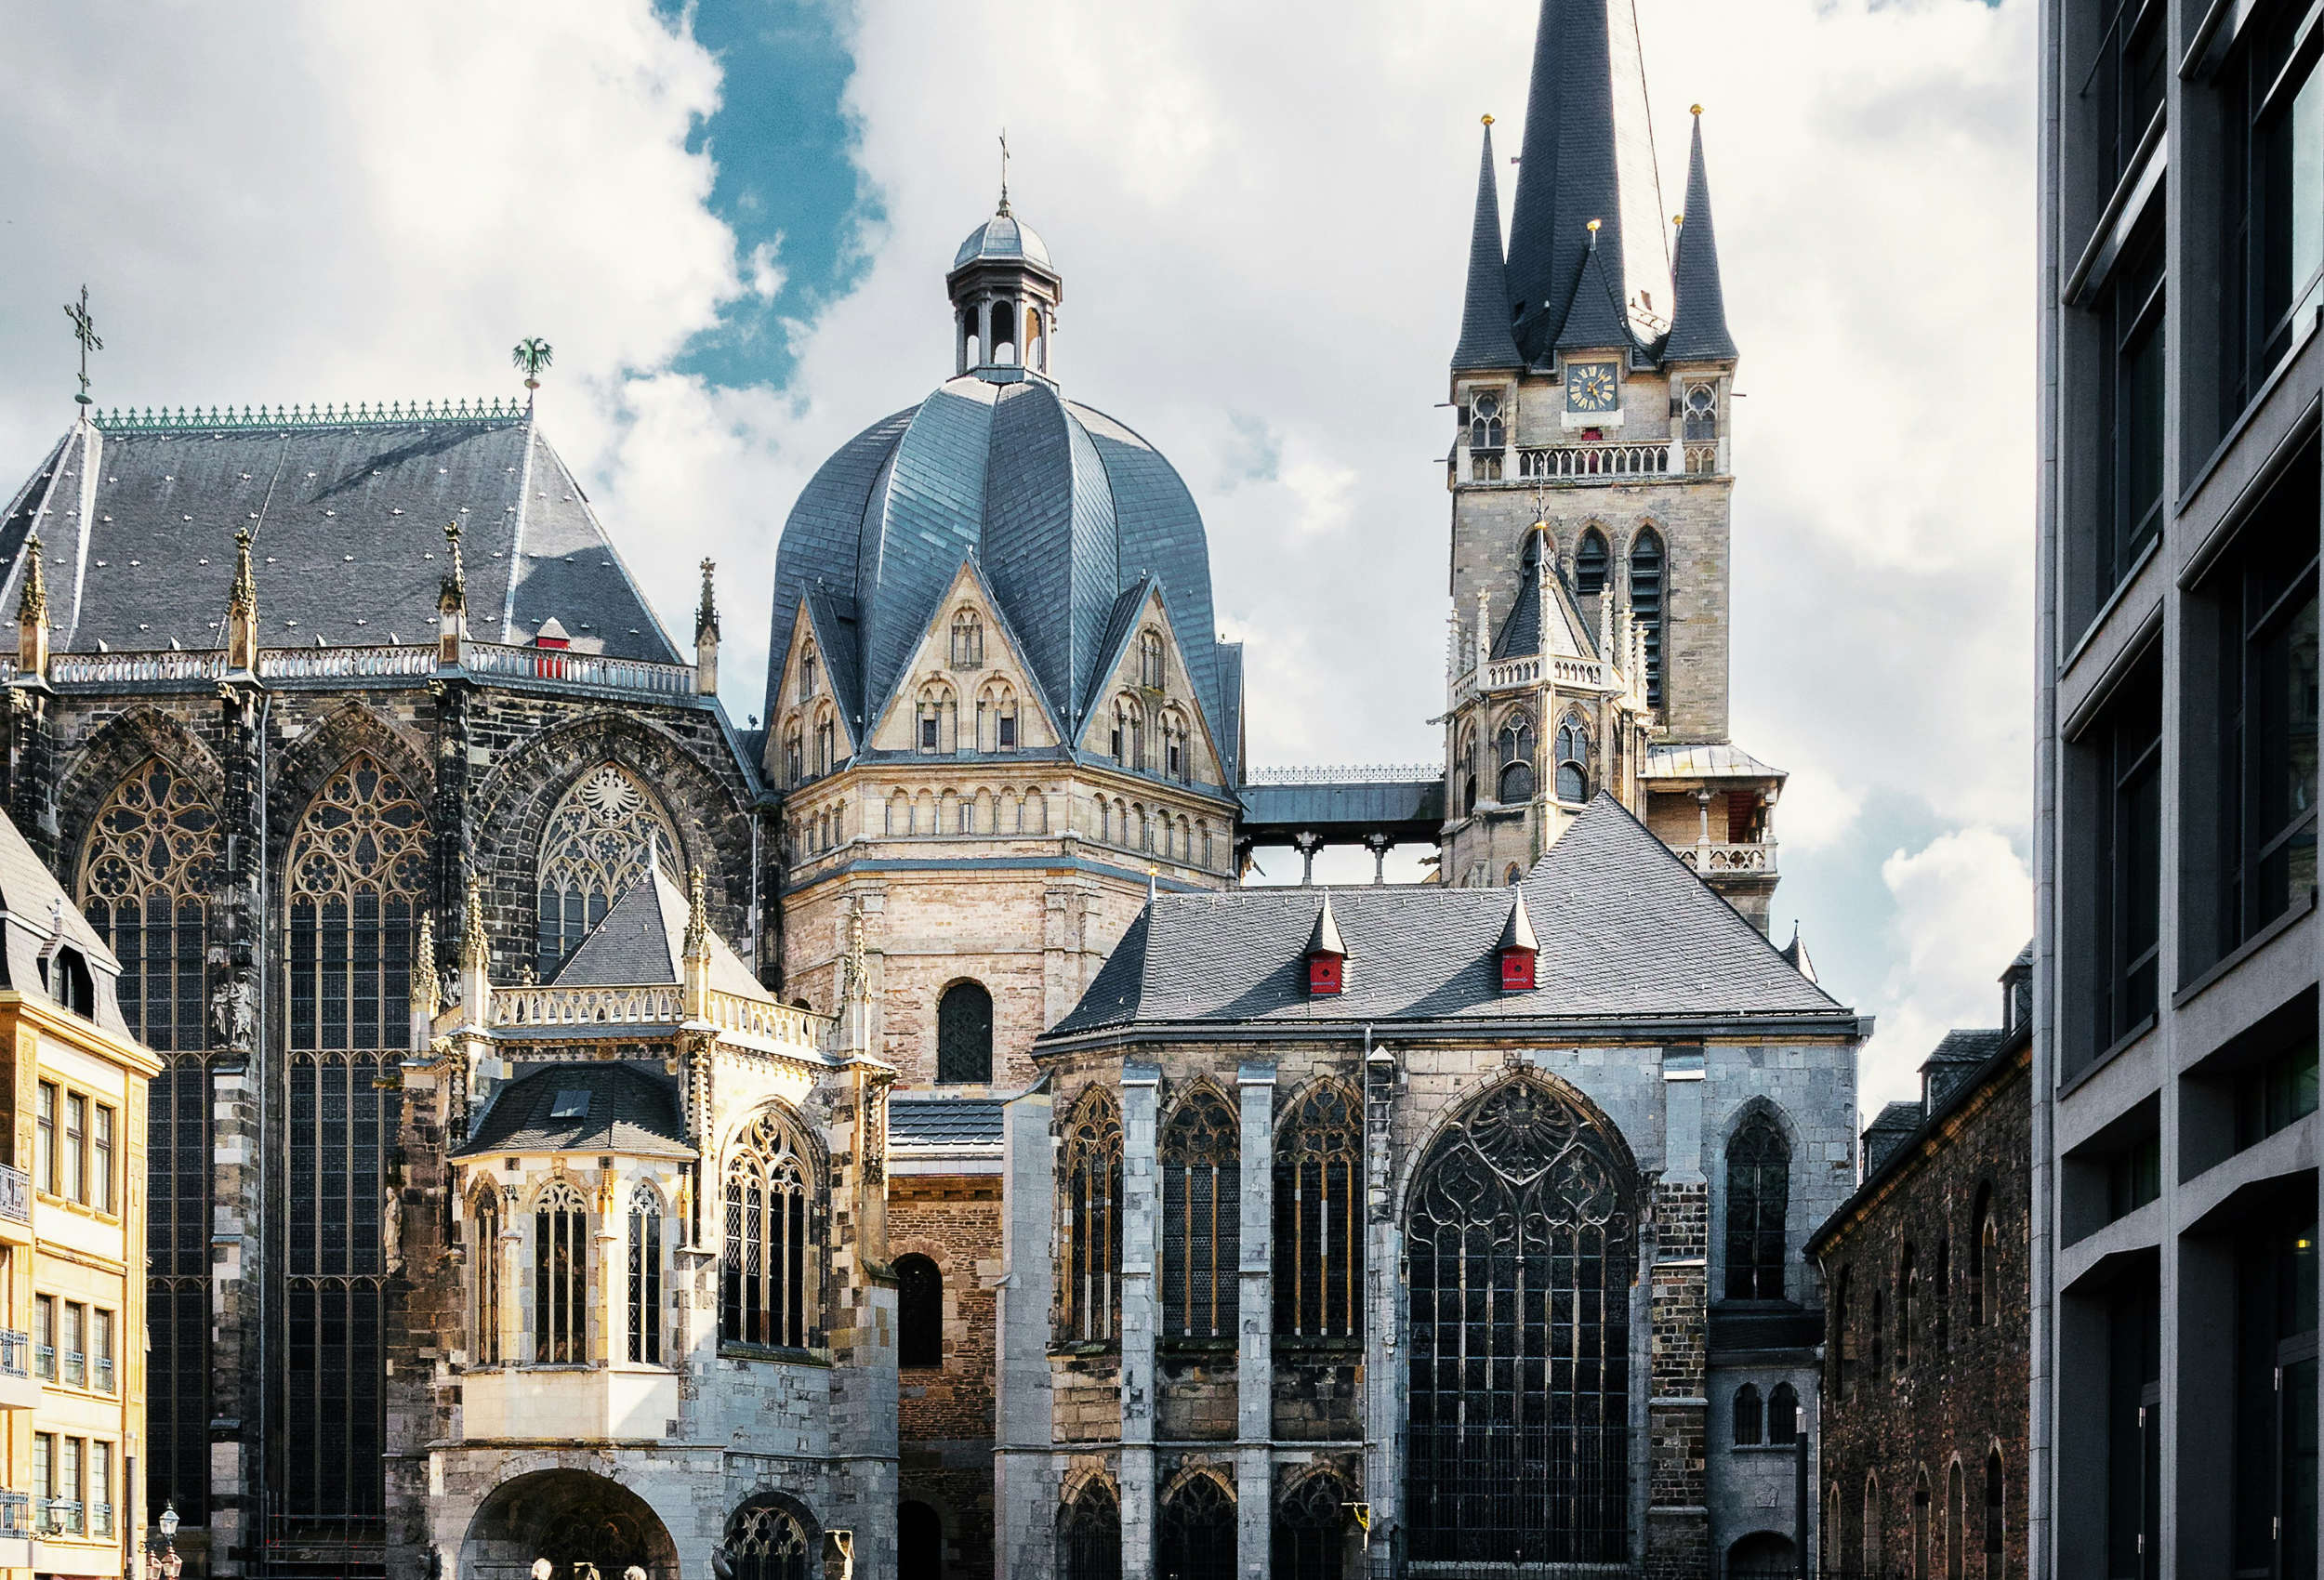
[1964, 907]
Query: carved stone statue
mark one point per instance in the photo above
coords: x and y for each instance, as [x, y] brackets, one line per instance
[234, 1010]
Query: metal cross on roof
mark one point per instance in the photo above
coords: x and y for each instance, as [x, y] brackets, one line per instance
[84, 331]
[1004, 170]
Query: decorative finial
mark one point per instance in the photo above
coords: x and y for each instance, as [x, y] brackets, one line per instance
[1695, 110]
[1154, 880]
[455, 575]
[1594, 235]
[33, 610]
[1678, 219]
[474, 947]
[84, 331]
[244, 598]
[706, 617]
[1486, 119]
[697, 918]
[1004, 170]
[855, 982]
[531, 354]
[427, 993]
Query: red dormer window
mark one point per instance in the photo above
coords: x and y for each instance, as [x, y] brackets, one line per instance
[553, 635]
[1323, 973]
[1517, 970]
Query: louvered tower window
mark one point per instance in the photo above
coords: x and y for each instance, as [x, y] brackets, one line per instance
[1645, 606]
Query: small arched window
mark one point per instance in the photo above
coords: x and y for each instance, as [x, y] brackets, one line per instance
[645, 1276]
[1091, 1233]
[996, 717]
[1908, 1296]
[1871, 1526]
[1150, 660]
[1759, 1198]
[1783, 1415]
[968, 641]
[1177, 760]
[485, 1267]
[1702, 412]
[1748, 1411]
[920, 1312]
[1879, 1336]
[1941, 1293]
[1995, 1496]
[1844, 1333]
[1319, 1216]
[763, 1294]
[964, 1033]
[768, 1542]
[1465, 770]
[1645, 606]
[794, 755]
[561, 1273]
[1983, 1251]
[1573, 762]
[807, 673]
[1515, 749]
[1201, 1217]
[937, 716]
[826, 741]
[1956, 1526]
[1591, 561]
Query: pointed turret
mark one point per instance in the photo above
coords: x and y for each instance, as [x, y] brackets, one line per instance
[31, 616]
[1596, 319]
[1530, 216]
[1698, 323]
[1486, 341]
[1568, 175]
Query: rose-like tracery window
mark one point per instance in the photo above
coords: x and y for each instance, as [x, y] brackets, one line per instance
[595, 848]
[1520, 1248]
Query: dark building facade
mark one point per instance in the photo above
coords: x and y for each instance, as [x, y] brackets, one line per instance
[2176, 964]
[1925, 1365]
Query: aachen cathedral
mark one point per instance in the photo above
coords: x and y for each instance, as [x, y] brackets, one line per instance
[889, 1140]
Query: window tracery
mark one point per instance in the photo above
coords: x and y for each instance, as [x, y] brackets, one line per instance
[1519, 1245]
[1514, 748]
[1309, 1536]
[594, 849]
[645, 1276]
[560, 1276]
[765, 1541]
[1759, 1198]
[1091, 1533]
[1573, 761]
[1196, 1538]
[1318, 1211]
[483, 1256]
[1091, 1210]
[1201, 1217]
[764, 1296]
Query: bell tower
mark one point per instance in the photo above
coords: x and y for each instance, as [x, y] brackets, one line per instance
[1005, 294]
[1593, 382]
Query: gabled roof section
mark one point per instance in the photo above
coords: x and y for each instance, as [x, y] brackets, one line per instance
[641, 942]
[933, 650]
[1562, 634]
[1486, 341]
[1626, 932]
[1596, 318]
[347, 519]
[591, 1106]
[1698, 323]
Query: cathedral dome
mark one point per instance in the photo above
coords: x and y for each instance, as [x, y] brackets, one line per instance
[1004, 236]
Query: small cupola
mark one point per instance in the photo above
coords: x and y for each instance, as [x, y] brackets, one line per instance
[1005, 294]
[1517, 949]
[1326, 956]
[552, 635]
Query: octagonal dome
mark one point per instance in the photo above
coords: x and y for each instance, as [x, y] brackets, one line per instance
[1002, 236]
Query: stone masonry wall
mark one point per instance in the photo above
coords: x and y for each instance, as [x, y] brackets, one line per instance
[946, 1412]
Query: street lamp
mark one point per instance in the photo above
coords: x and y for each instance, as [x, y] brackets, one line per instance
[164, 1563]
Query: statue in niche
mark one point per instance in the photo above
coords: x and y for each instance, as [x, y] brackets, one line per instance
[234, 1010]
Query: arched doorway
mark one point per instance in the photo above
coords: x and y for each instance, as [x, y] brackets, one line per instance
[575, 1519]
[1521, 1251]
[919, 1543]
[1763, 1555]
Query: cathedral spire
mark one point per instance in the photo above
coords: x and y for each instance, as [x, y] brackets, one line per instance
[1486, 341]
[1595, 320]
[1698, 323]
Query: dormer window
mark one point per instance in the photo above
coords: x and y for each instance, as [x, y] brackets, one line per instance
[1327, 955]
[1517, 949]
[553, 636]
[66, 975]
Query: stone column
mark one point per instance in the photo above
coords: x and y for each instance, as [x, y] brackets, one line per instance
[514, 1342]
[1383, 1374]
[1678, 1520]
[1254, 1355]
[1024, 1482]
[1142, 1214]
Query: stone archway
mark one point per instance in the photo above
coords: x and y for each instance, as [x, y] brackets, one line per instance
[572, 1518]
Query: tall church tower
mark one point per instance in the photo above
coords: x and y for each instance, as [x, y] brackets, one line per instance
[1590, 482]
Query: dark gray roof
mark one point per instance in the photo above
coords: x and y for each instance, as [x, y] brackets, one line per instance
[1626, 932]
[1486, 341]
[1566, 177]
[1062, 509]
[138, 520]
[36, 912]
[1699, 320]
[1520, 632]
[1595, 317]
[621, 1108]
[1890, 1130]
[944, 1122]
[1956, 1059]
[643, 943]
[1409, 808]
[1002, 236]
[1795, 953]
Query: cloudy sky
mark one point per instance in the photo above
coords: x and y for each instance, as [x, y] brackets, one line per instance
[733, 221]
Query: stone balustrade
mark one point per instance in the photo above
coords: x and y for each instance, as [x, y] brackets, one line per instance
[1715, 860]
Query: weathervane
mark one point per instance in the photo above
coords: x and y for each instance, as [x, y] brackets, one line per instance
[1004, 170]
[84, 331]
[531, 354]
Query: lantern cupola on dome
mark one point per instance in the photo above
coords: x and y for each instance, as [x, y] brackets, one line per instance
[1005, 293]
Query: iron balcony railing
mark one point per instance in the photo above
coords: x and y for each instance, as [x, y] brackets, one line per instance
[16, 1194]
[100, 1519]
[16, 1515]
[16, 1353]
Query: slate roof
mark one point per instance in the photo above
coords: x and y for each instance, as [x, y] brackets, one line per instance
[1626, 932]
[1486, 341]
[1890, 1130]
[33, 911]
[1698, 321]
[629, 1108]
[1523, 632]
[641, 942]
[1062, 509]
[948, 1122]
[136, 525]
[1795, 953]
[1573, 179]
[1955, 1060]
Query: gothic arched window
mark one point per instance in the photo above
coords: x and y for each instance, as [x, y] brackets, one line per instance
[764, 1295]
[920, 1312]
[594, 849]
[968, 641]
[1908, 1296]
[807, 673]
[1941, 1293]
[1747, 1416]
[826, 741]
[766, 1541]
[1196, 1538]
[1573, 761]
[1090, 1533]
[1871, 1547]
[1514, 747]
[1783, 1415]
[1645, 606]
[1177, 761]
[1984, 1247]
[1310, 1537]
[1956, 1520]
[1201, 1217]
[357, 872]
[645, 1276]
[483, 1256]
[794, 755]
[1758, 1197]
[1485, 429]
[1591, 562]
[1996, 1496]
[937, 718]
[146, 872]
[560, 1277]
[1520, 1244]
[964, 1033]
[1150, 660]
[1091, 1209]
[996, 717]
[1465, 770]
[1319, 1216]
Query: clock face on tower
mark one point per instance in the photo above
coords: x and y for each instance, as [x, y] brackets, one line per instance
[1589, 387]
